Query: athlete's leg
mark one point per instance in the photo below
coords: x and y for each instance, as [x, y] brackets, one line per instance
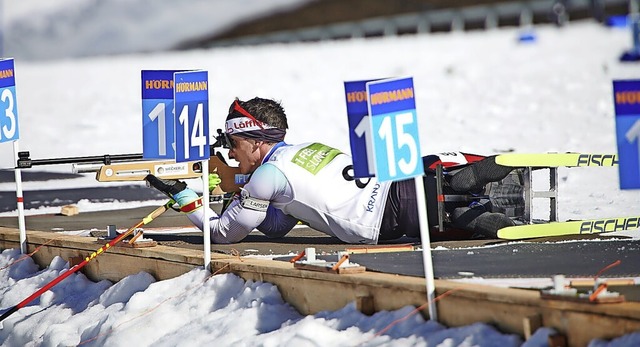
[475, 176]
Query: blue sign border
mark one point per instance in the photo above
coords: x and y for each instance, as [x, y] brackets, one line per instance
[626, 99]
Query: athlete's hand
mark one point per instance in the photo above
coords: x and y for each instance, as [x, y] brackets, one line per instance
[214, 181]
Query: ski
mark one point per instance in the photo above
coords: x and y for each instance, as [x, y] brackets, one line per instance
[556, 159]
[574, 227]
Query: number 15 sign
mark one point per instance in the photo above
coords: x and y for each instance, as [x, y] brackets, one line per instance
[394, 129]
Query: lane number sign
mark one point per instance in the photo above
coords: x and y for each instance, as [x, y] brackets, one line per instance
[393, 129]
[158, 139]
[191, 97]
[9, 130]
[626, 98]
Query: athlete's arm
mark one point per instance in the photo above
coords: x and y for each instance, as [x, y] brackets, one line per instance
[249, 210]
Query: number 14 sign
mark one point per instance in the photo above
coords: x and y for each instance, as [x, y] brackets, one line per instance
[191, 95]
[394, 129]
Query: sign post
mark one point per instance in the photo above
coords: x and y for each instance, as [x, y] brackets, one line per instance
[385, 143]
[191, 100]
[626, 98]
[9, 131]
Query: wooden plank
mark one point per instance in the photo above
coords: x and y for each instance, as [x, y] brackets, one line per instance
[571, 298]
[380, 249]
[329, 267]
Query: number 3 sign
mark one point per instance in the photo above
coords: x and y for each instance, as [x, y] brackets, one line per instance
[394, 129]
[8, 105]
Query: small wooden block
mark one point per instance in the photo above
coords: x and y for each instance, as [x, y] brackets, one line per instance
[328, 267]
[125, 243]
[605, 300]
[69, 210]
[380, 249]
[137, 244]
[610, 282]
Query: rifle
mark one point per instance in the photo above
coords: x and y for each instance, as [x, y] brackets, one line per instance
[133, 167]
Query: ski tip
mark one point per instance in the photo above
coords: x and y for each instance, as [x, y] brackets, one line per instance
[547, 160]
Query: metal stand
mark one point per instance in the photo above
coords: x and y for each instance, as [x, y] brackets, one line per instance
[551, 194]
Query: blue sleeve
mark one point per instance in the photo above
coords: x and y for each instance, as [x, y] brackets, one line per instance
[276, 224]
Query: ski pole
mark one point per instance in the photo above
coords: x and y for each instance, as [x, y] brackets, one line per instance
[146, 220]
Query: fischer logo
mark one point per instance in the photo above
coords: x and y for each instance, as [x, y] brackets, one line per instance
[608, 225]
[597, 160]
[171, 169]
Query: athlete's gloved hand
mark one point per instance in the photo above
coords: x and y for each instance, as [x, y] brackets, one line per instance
[177, 190]
[214, 181]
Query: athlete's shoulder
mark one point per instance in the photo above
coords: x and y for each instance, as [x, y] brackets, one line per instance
[266, 181]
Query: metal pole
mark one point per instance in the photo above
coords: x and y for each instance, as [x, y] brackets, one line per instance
[427, 260]
[206, 227]
[20, 202]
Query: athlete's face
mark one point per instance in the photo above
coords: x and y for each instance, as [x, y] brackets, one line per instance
[246, 152]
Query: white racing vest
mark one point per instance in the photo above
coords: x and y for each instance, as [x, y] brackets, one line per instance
[321, 191]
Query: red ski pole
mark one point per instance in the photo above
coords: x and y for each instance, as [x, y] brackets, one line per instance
[146, 220]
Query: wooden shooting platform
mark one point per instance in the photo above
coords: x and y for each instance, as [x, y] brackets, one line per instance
[509, 310]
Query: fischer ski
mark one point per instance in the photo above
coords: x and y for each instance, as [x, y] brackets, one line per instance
[556, 159]
[574, 227]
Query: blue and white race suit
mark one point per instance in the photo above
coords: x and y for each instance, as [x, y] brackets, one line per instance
[309, 182]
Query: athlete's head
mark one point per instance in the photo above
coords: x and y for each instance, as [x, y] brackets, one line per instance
[252, 128]
[259, 119]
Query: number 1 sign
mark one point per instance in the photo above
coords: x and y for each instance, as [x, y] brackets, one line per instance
[394, 129]
[359, 128]
[157, 114]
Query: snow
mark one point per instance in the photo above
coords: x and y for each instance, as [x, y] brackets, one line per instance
[44, 30]
[481, 92]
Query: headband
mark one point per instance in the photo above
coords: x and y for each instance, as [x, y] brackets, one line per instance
[249, 127]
